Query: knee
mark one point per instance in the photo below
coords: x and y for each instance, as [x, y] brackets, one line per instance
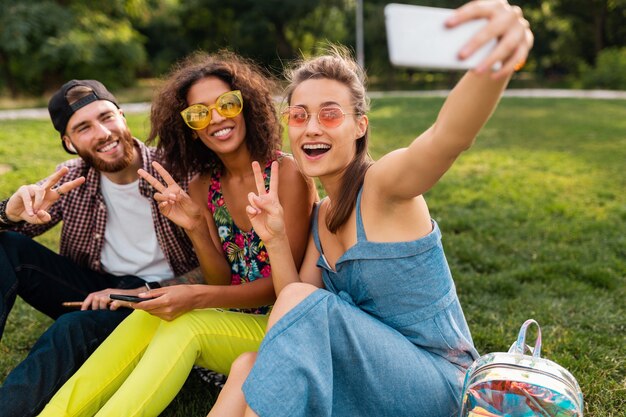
[188, 327]
[68, 336]
[16, 245]
[242, 365]
[71, 326]
[84, 327]
[290, 296]
[295, 292]
[11, 239]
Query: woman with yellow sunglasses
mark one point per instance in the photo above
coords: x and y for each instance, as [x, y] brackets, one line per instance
[214, 116]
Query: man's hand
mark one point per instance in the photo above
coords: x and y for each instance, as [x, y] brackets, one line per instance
[100, 300]
[31, 202]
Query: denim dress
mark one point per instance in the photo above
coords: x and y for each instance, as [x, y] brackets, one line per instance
[386, 337]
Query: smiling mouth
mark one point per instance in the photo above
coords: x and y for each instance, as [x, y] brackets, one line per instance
[108, 146]
[315, 149]
[222, 132]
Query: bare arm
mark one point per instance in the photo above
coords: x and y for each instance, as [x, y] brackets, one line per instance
[205, 238]
[31, 202]
[170, 302]
[297, 194]
[267, 217]
[406, 173]
[188, 212]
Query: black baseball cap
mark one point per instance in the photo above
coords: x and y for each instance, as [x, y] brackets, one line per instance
[61, 111]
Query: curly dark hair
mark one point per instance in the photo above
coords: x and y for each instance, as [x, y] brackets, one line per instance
[181, 153]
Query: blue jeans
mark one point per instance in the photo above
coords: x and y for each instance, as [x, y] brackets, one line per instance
[44, 280]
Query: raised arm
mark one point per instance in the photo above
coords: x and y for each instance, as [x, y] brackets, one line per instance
[191, 214]
[268, 219]
[31, 202]
[296, 194]
[409, 172]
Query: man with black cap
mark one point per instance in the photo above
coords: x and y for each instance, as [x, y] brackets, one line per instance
[113, 239]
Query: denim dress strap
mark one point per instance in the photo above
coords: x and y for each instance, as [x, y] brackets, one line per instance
[322, 263]
[360, 229]
[315, 226]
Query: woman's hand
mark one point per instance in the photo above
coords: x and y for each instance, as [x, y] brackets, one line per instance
[506, 23]
[174, 202]
[264, 211]
[166, 303]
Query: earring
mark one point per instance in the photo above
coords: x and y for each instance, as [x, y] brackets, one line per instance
[67, 144]
[69, 147]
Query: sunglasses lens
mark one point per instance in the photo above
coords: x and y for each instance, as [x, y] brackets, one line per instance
[296, 116]
[197, 116]
[331, 116]
[229, 105]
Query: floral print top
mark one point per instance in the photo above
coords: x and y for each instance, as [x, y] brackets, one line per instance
[244, 251]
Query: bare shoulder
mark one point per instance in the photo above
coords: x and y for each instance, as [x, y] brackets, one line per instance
[289, 173]
[294, 184]
[286, 161]
[375, 189]
[378, 172]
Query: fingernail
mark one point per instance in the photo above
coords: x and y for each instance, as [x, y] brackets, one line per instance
[465, 51]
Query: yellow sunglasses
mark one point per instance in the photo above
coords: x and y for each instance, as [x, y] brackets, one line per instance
[198, 116]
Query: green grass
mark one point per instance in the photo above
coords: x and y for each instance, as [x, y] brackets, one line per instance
[533, 220]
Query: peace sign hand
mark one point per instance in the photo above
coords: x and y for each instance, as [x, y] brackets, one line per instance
[174, 202]
[264, 211]
[31, 202]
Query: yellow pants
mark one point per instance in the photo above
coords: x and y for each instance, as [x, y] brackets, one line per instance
[143, 364]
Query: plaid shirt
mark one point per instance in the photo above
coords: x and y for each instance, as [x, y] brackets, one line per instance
[84, 215]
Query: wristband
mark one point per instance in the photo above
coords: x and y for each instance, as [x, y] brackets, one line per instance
[4, 220]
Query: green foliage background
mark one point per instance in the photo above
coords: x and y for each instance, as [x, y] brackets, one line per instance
[533, 220]
[45, 42]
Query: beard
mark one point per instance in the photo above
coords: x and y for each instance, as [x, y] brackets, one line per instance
[126, 140]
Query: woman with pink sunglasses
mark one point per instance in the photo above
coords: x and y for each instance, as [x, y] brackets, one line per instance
[371, 324]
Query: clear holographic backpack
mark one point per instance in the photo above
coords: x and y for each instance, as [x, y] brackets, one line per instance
[512, 384]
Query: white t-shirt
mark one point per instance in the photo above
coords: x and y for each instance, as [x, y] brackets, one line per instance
[130, 241]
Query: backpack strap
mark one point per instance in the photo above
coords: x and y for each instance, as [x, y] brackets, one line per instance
[520, 344]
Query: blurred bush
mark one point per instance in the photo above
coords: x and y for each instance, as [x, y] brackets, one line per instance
[609, 71]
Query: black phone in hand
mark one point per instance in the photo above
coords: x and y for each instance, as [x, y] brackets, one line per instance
[129, 298]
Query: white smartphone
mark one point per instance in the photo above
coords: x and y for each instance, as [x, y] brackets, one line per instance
[418, 37]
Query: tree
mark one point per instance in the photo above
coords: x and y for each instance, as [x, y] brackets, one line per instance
[24, 27]
[268, 31]
[96, 46]
[44, 42]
